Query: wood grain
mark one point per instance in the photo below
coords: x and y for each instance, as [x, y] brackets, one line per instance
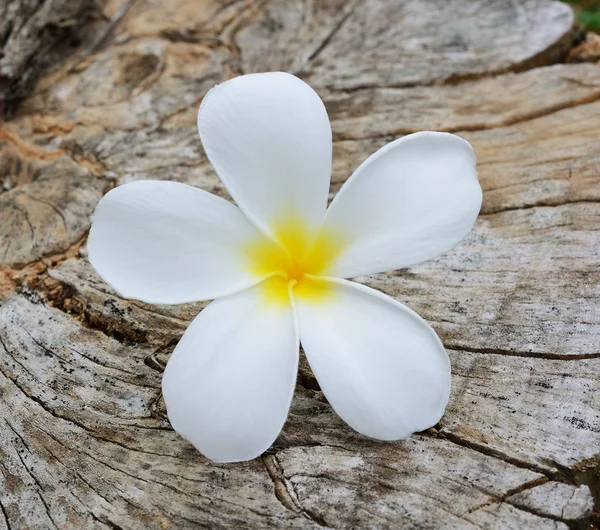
[84, 438]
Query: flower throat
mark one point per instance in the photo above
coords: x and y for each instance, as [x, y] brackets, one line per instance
[295, 260]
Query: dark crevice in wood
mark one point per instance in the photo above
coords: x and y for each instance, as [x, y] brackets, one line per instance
[46, 406]
[586, 472]
[40, 488]
[573, 525]
[14, 380]
[454, 438]
[5, 514]
[554, 54]
[562, 512]
[153, 361]
[136, 449]
[101, 38]
[331, 34]
[281, 492]
[542, 204]
[523, 487]
[52, 206]
[506, 498]
[67, 470]
[538, 513]
[85, 481]
[280, 445]
[530, 354]
[105, 522]
[520, 508]
[113, 327]
[590, 98]
[288, 499]
[159, 483]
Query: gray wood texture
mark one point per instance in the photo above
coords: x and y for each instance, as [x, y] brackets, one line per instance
[84, 439]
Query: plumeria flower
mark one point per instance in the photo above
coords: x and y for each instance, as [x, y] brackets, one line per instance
[276, 264]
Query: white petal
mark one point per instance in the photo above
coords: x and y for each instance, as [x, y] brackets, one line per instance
[230, 381]
[410, 201]
[381, 366]
[269, 139]
[169, 243]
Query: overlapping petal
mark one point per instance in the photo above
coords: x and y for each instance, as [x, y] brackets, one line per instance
[269, 139]
[230, 381]
[414, 199]
[169, 243]
[382, 368]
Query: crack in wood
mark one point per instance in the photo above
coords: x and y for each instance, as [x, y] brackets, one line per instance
[39, 487]
[475, 127]
[5, 514]
[484, 449]
[562, 512]
[229, 33]
[46, 406]
[523, 487]
[562, 474]
[336, 28]
[285, 492]
[111, 326]
[543, 204]
[529, 354]
[103, 35]
[105, 423]
[549, 511]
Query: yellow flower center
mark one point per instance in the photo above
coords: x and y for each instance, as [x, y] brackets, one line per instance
[294, 260]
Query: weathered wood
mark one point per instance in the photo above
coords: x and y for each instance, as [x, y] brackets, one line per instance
[75, 287]
[34, 34]
[470, 106]
[380, 43]
[90, 419]
[51, 213]
[85, 442]
[135, 85]
[558, 500]
[545, 161]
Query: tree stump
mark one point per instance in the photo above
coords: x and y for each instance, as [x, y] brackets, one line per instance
[84, 439]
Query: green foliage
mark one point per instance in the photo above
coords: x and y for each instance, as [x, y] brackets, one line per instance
[590, 20]
[587, 13]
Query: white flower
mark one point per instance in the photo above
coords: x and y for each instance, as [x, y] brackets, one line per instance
[276, 265]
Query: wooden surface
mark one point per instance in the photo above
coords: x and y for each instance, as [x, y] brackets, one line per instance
[84, 440]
